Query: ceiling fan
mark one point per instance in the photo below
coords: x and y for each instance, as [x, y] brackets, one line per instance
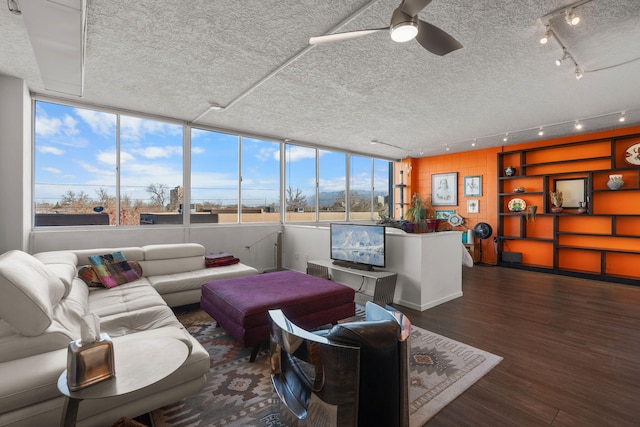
[405, 26]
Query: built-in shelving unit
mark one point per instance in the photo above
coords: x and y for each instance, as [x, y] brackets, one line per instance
[602, 242]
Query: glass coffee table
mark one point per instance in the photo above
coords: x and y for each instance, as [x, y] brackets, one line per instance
[139, 363]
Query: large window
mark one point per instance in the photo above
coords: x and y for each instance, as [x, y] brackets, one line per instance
[78, 153]
[105, 168]
[332, 186]
[300, 183]
[214, 177]
[260, 180]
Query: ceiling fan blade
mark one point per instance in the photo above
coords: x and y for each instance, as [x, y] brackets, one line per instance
[436, 40]
[413, 7]
[343, 36]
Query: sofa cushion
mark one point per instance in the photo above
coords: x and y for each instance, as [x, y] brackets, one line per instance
[113, 269]
[124, 299]
[170, 251]
[89, 276]
[28, 292]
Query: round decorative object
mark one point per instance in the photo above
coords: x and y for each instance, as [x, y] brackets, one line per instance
[482, 230]
[615, 182]
[632, 155]
[518, 189]
[455, 220]
[98, 209]
[517, 205]
[509, 171]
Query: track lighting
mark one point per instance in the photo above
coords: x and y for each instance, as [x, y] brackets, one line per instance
[475, 140]
[506, 137]
[14, 7]
[540, 132]
[565, 56]
[577, 125]
[571, 18]
[547, 35]
[622, 117]
[446, 147]
[579, 73]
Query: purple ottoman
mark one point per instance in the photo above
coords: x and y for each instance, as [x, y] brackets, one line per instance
[240, 305]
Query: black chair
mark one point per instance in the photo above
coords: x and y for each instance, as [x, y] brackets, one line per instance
[354, 374]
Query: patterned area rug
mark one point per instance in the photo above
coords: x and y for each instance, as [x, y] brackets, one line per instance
[239, 393]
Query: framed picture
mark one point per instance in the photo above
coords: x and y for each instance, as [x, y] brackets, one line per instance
[473, 185]
[473, 206]
[573, 191]
[444, 214]
[444, 189]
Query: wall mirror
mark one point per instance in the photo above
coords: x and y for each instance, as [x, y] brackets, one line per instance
[573, 190]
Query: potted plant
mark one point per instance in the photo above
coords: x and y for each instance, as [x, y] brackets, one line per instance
[416, 212]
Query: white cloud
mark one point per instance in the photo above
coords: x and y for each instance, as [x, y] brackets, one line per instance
[55, 171]
[135, 129]
[109, 158]
[295, 153]
[48, 149]
[197, 150]
[158, 152]
[100, 123]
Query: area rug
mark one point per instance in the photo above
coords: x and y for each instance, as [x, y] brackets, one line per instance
[239, 393]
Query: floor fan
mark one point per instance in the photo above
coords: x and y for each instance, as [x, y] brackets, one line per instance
[482, 231]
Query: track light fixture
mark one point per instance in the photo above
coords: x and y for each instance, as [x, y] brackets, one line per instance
[579, 73]
[577, 125]
[14, 7]
[446, 147]
[622, 117]
[547, 35]
[565, 56]
[540, 132]
[571, 18]
[506, 137]
[475, 141]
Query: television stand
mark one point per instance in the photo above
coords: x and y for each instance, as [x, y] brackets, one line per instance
[355, 266]
[385, 281]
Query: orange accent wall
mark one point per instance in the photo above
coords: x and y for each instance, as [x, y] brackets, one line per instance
[483, 162]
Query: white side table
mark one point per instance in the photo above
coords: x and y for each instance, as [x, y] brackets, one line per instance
[139, 362]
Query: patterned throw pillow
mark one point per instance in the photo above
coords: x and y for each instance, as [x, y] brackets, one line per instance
[113, 269]
[88, 274]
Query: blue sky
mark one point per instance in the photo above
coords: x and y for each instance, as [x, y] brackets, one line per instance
[76, 150]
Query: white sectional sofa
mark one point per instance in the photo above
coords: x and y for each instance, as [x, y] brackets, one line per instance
[42, 302]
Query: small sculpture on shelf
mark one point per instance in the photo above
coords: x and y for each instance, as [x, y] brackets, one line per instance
[582, 207]
[509, 171]
[556, 201]
[531, 212]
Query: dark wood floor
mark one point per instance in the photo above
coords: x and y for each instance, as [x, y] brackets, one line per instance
[571, 349]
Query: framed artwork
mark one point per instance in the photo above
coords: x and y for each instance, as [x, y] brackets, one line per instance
[444, 189]
[473, 206]
[473, 185]
[444, 214]
[573, 191]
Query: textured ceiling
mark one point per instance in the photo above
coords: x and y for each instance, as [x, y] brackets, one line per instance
[174, 58]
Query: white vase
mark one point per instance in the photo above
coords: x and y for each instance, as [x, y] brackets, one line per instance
[615, 182]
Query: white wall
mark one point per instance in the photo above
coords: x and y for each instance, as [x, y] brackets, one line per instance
[15, 158]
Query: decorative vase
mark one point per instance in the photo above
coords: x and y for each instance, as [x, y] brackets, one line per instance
[509, 171]
[615, 182]
[582, 207]
[432, 225]
[531, 212]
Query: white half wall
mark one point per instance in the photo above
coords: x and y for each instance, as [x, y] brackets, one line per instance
[255, 245]
[429, 265]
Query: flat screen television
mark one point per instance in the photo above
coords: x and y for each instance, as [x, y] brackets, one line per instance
[358, 245]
